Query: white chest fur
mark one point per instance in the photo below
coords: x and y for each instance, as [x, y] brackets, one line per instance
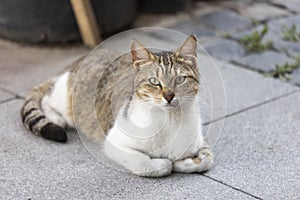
[158, 134]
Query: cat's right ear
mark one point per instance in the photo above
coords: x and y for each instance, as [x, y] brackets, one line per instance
[139, 52]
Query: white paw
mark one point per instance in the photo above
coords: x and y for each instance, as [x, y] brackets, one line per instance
[206, 159]
[157, 168]
[203, 162]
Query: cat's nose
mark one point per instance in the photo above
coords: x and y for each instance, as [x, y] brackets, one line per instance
[169, 95]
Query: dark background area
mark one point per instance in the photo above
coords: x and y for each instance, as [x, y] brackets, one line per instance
[44, 21]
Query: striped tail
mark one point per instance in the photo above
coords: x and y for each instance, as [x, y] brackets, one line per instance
[35, 120]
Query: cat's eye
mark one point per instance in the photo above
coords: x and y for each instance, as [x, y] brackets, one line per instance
[180, 80]
[154, 81]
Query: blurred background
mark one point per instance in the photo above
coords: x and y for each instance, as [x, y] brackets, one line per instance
[43, 21]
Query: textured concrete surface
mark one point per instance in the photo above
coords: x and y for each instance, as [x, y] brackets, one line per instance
[23, 66]
[259, 150]
[4, 96]
[243, 88]
[32, 168]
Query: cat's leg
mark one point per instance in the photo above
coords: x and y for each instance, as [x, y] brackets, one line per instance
[138, 162]
[55, 104]
[52, 114]
[200, 163]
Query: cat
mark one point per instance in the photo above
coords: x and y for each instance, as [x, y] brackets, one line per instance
[145, 103]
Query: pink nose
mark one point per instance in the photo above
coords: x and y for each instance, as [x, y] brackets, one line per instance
[169, 96]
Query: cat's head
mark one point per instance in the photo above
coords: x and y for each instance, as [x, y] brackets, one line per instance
[166, 79]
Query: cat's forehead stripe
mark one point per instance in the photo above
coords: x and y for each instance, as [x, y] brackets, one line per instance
[170, 63]
[165, 60]
[161, 66]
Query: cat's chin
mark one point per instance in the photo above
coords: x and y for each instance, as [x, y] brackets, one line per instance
[170, 107]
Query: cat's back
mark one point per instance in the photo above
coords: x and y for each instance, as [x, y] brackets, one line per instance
[102, 82]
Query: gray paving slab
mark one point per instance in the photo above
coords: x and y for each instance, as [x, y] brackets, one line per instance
[33, 168]
[22, 67]
[153, 37]
[292, 48]
[259, 150]
[288, 21]
[5, 96]
[224, 20]
[225, 49]
[167, 38]
[263, 12]
[295, 77]
[191, 27]
[243, 88]
[265, 61]
[293, 5]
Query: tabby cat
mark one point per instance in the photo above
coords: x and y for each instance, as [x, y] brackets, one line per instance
[145, 103]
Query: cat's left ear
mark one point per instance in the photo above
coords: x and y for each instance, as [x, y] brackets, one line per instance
[189, 48]
[139, 52]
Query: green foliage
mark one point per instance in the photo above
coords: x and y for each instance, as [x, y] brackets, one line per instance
[254, 22]
[225, 35]
[290, 33]
[253, 42]
[284, 71]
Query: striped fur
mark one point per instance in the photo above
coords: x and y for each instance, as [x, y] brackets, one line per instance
[35, 120]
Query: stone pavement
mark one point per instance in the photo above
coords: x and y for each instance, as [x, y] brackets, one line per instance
[257, 156]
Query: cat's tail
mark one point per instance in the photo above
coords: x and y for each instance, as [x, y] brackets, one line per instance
[34, 118]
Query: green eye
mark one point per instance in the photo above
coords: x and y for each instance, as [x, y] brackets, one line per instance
[154, 81]
[180, 79]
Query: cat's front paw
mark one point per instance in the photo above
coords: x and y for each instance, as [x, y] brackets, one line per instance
[202, 162]
[157, 168]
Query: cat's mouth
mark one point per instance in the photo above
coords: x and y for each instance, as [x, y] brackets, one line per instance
[173, 105]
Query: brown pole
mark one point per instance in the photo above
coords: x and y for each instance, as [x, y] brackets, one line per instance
[86, 21]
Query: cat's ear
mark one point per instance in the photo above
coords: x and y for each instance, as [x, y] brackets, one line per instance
[189, 48]
[139, 52]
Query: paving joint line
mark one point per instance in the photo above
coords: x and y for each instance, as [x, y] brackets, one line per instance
[8, 100]
[284, 8]
[246, 67]
[12, 93]
[232, 187]
[253, 106]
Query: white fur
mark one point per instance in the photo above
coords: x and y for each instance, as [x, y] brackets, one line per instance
[55, 105]
[202, 162]
[150, 150]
